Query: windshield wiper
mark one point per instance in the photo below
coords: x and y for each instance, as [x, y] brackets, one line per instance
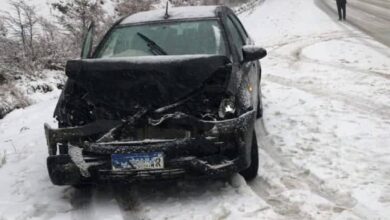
[154, 48]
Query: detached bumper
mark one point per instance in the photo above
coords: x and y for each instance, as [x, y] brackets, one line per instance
[222, 150]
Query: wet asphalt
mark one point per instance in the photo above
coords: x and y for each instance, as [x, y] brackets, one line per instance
[370, 16]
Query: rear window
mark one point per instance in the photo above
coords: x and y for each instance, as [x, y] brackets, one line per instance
[176, 38]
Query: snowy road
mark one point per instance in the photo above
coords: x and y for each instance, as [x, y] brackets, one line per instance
[371, 16]
[327, 94]
[325, 140]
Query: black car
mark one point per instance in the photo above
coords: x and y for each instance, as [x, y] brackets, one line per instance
[167, 94]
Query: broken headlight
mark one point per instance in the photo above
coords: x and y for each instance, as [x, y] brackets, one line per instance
[227, 109]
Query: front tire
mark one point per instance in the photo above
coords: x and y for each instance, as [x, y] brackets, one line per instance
[251, 172]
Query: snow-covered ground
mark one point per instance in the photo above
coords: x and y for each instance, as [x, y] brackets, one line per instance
[325, 140]
[327, 95]
[23, 90]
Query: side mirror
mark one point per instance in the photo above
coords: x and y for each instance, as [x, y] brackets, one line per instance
[252, 53]
[86, 51]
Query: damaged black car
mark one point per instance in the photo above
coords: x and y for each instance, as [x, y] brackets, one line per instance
[166, 94]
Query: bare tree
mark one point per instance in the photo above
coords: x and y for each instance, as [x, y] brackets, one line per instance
[52, 50]
[76, 15]
[21, 23]
[31, 20]
[3, 28]
[16, 23]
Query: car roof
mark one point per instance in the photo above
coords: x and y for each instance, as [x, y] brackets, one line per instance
[175, 13]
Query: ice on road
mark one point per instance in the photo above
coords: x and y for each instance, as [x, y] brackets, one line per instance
[325, 138]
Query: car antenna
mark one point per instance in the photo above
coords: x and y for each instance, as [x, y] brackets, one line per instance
[166, 16]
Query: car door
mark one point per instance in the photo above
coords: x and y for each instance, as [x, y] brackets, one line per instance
[248, 70]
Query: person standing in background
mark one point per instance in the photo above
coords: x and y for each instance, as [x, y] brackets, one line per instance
[341, 8]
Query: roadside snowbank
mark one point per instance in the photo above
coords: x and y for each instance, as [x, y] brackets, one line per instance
[21, 91]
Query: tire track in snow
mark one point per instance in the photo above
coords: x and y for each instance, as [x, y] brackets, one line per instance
[300, 43]
[282, 174]
[294, 177]
[359, 103]
[294, 56]
[301, 58]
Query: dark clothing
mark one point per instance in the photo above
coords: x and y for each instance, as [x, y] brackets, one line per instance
[341, 8]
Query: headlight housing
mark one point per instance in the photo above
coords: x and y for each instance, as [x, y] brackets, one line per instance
[227, 108]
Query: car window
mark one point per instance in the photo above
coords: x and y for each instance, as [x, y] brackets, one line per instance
[237, 39]
[174, 38]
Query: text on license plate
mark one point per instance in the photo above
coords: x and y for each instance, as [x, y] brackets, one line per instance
[138, 161]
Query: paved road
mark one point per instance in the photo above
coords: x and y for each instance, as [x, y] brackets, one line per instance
[371, 16]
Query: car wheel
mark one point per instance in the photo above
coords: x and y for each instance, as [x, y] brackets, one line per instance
[251, 172]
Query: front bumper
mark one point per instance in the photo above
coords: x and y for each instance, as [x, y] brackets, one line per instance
[221, 151]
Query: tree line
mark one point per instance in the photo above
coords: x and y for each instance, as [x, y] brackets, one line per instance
[30, 42]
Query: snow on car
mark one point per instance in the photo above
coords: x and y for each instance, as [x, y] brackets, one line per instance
[187, 78]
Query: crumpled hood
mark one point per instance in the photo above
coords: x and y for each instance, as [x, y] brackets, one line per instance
[147, 82]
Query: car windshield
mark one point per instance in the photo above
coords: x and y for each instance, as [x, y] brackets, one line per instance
[176, 38]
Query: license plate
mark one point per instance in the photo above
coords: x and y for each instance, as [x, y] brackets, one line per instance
[138, 161]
